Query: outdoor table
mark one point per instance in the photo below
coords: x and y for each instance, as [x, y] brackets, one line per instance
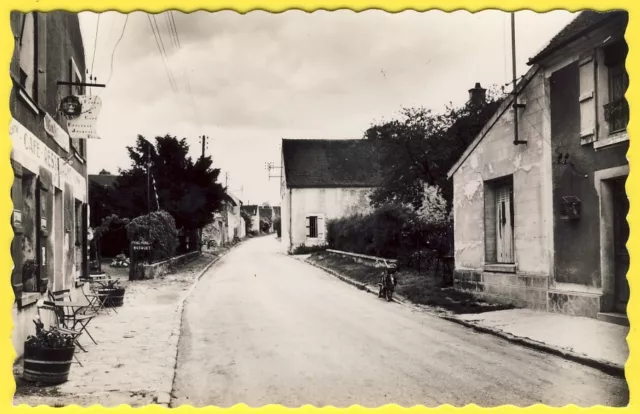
[65, 304]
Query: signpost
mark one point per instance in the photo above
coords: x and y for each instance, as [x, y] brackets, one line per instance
[140, 251]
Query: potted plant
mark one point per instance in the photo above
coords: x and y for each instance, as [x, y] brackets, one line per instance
[120, 260]
[111, 293]
[47, 355]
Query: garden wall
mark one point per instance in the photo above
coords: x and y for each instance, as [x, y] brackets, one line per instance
[155, 270]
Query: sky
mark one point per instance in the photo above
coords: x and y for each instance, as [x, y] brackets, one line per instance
[247, 81]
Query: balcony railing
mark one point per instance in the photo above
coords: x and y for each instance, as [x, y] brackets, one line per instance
[616, 114]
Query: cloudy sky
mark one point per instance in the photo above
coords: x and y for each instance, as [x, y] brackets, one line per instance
[247, 81]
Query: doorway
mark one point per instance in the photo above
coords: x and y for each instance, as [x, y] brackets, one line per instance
[620, 238]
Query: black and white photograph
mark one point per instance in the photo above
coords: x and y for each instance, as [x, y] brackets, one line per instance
[327, 208]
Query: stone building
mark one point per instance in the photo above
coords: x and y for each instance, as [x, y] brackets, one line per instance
[324, 180]
[540, 211]
[49, 192]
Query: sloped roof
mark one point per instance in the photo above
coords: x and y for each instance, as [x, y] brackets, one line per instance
[252, 209]
[586, 21]
[104, 179]
[331, 163]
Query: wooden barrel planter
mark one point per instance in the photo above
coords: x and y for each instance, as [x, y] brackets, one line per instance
[112, 297]
[47, 365]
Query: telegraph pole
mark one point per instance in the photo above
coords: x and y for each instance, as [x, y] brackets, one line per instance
[148, 177]
[226, 179]
[203, 139]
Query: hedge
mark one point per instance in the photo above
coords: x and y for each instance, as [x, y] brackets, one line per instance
[391, 231]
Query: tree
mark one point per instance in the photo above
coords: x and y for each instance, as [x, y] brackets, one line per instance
[187, 190]
[420, 146]
[248, 221]
[104, 172]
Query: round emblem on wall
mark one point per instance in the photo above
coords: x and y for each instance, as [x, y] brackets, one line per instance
[71, 107]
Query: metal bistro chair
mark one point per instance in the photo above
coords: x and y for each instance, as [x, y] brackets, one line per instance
[71, 314]
[95, 283]
[47, 306]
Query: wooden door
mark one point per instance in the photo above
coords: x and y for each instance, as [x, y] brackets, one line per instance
[620, 235]
[504, 224]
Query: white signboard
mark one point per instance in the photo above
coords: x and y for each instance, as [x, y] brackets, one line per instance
[56, 132]
[32, 153]
[84, 126]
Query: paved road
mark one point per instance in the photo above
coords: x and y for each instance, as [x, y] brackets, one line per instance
[263, 328]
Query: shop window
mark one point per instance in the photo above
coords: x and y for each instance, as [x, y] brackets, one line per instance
[30, 219]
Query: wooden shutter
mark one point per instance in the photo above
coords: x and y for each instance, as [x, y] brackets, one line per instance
[308, 226]
[16, 221]
[42, 226]
[320, 224]
[85, 241]
[588, 122]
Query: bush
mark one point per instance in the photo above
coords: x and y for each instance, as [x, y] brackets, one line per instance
[265, 225]
[158, 228]
[391, 231]
[302, 249]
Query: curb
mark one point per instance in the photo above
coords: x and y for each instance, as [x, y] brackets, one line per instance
[362, 286]
[604, 366]
[164, 397]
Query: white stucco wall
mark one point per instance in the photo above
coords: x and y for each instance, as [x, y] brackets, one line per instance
[530, 164]
[330, 202]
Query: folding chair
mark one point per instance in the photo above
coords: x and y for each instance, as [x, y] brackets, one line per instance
[95, 285]
[65, 295]
[72, 333]
[96, 304]
[72, 318]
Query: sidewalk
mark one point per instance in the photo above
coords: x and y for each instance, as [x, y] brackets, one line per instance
[601, 345]
[134, 361]
[586, 340]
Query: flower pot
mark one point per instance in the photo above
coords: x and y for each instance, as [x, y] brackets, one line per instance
[47, 365]
[112, 297]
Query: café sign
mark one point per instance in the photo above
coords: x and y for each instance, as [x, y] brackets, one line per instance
[81, 123]
[56, 132]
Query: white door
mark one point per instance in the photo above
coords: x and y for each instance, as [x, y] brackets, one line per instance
[504, 224]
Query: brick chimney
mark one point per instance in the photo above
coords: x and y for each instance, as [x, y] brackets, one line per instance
[478, 95]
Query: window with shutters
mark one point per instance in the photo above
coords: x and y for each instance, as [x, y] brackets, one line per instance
[587, 75]
[616, 111]
[28, 58]
[315, 226]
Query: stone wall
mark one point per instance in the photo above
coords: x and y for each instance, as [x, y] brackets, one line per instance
[155, 270]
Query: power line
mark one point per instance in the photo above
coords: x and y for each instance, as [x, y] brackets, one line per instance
[164, 60]
[95, 44]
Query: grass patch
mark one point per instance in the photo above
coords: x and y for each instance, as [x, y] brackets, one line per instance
[419, 288]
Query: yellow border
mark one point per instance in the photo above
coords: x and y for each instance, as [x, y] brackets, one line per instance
[7, 353]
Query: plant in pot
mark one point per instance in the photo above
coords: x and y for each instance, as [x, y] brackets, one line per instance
[111, 293]
[47, 355]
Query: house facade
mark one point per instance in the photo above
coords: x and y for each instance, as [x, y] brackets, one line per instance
[324, 180]
[253, 212]
[49, 192]
[233, 220]
[540, 213]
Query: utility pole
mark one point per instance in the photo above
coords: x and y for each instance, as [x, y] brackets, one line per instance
[226, 179]
[148, 177]
[203, 139]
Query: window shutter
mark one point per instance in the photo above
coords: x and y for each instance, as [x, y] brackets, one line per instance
[308, 226]
[587, 99]
[42, 227]
[16, 243]
[320, 227]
